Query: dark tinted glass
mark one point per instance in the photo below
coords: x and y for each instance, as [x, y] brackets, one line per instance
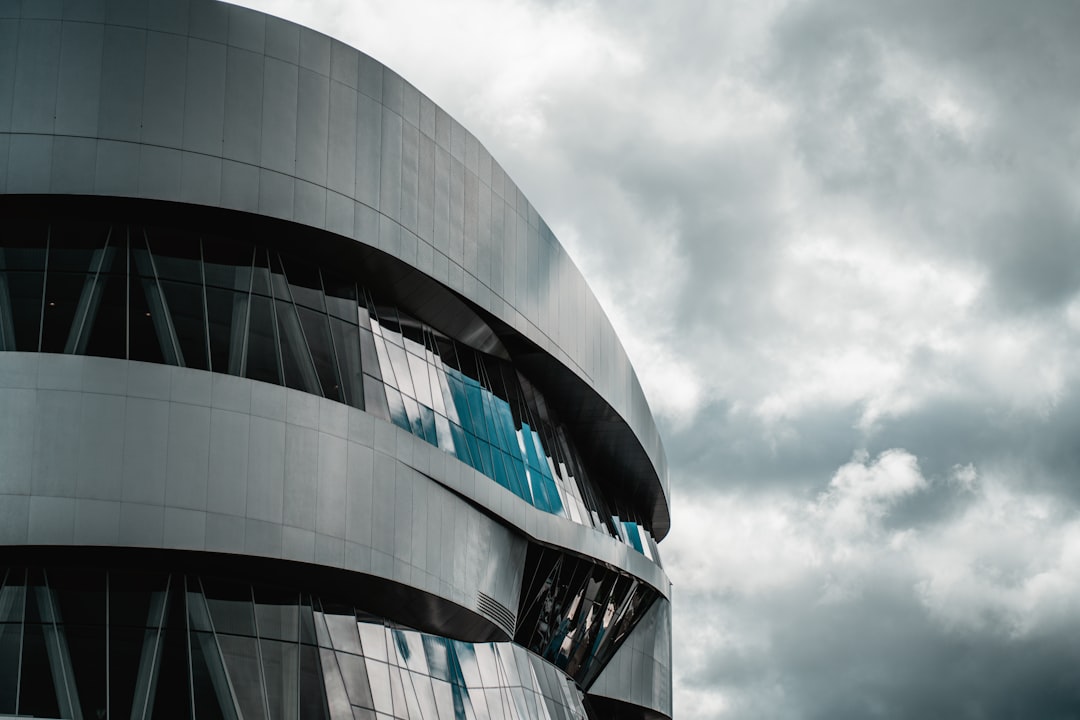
[262, 354]
[317, 333]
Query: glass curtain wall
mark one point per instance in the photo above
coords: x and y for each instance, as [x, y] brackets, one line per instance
[230, 306]
[94, 643]
[575, 613]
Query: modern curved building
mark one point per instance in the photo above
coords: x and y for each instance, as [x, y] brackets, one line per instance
[304, 411]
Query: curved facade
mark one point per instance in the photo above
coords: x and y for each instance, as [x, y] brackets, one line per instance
[306, 411]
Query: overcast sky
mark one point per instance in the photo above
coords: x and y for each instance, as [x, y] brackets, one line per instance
[841, 242]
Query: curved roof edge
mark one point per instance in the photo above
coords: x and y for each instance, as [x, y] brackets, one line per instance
[265, 116]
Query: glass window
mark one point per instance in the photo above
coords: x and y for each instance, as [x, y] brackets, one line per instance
[312, 692]
[230, 605]
[347, 346]
[241, 656]
[105, 327]
[343, 633]
[262, 350]
[188, 314]
[317, 333]
[37, 695]
[296, 360]
[280, 661]
[276, 614]
[337, 700]
[373, 639]
[354, 673]
[227, 313]
[379, 680]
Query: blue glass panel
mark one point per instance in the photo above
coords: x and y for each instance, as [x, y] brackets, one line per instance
[461, 445]
[632, 533]
[456, 388]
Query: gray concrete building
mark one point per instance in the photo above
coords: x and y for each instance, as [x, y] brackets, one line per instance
[304, 411]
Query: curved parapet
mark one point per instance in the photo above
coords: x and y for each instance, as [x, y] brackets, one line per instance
[286, 357]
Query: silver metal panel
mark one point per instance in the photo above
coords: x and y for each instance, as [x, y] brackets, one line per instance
[96, 522]
[100, 447]
[359, 491]
[390, 178]
[159, 173]
[282, 40]
[17, 422]
[9, 46]
[382, 525]
[302, 409]
[268, 401]
[163, 89]
[224, 533]
[52, 521]
[79, 81]
[341, 154]
[73, 162]
[280, 88]
[117, 168]
[262, 538]
[410, 160]
[344, 64]
[239, 186]
[276, 194]
[301, 463]
[243, 105]
[29, 162]
[204, 106]
[331, 496]
[340, 213]
[145, 441]
[141, 525]
[123, 68]
[297, 544]
[266, 470]
[90, 11]
[312, 125]
[200, 179]
[247, 29]
[309, 203]
[208, 21]
[403, 513]
[184, 529]
[187, 469]
[368, 151]
[370, 81]
[167, 16]
[227, 477]
[36, 72]
[56, 465]
[126, 12]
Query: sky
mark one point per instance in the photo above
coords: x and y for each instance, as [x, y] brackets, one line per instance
[841, 243]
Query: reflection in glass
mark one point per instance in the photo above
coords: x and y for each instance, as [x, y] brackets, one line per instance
[169, 296]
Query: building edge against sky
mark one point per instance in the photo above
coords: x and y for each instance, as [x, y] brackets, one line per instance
[306, 412]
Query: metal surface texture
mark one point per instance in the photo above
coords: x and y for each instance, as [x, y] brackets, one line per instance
[100, 451]
[204, 103]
